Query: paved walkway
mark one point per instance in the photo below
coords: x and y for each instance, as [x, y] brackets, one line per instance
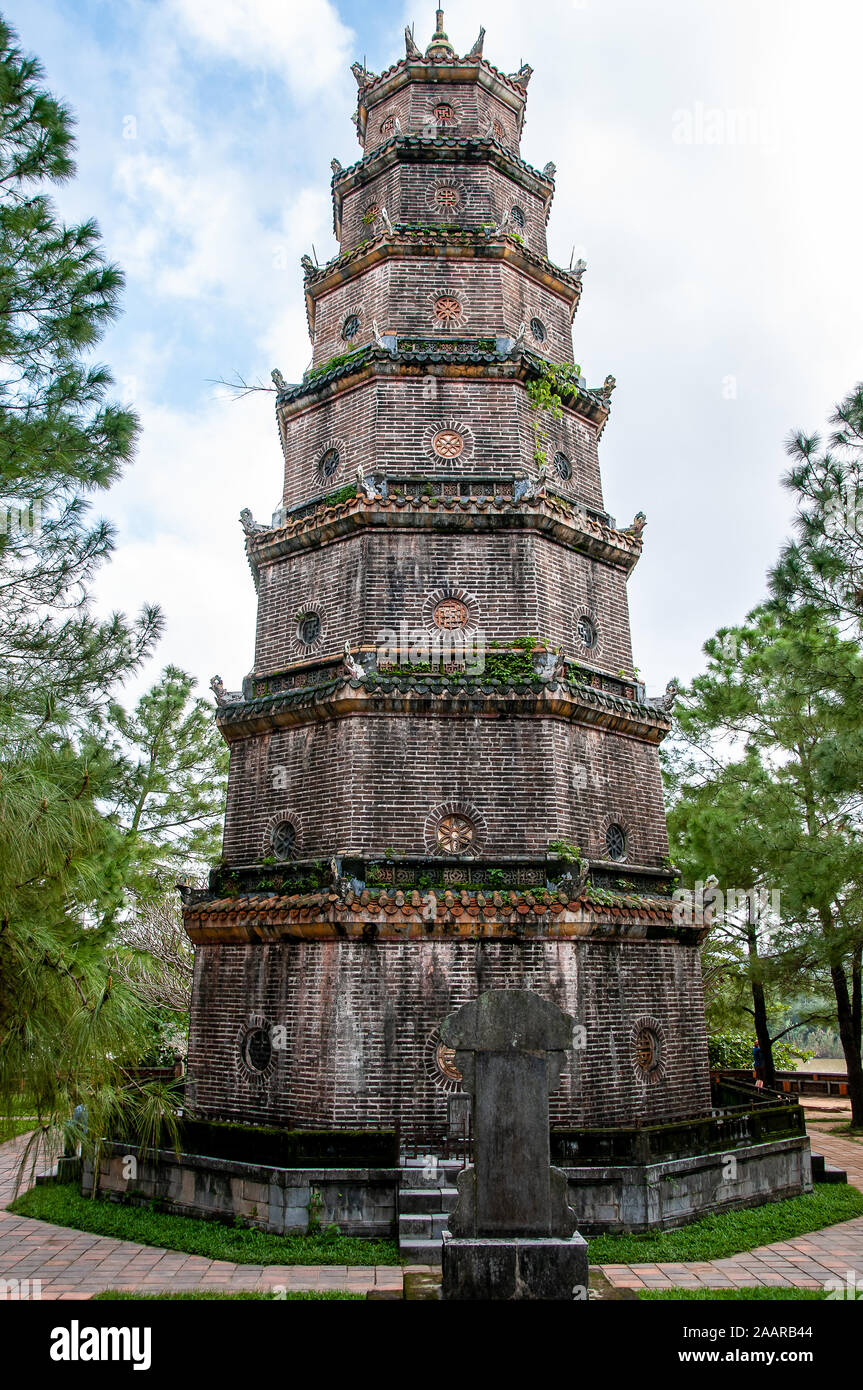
[804, 1263]
[74, 1265]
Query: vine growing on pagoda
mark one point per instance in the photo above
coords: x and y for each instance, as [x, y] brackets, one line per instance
[546, 392]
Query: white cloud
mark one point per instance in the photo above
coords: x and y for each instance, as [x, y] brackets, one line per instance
[305, 43]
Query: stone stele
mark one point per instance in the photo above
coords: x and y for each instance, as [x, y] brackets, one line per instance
[512, 1234]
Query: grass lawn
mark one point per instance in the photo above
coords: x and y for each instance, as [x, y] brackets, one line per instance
[62, 1204]
[242, 1295]
[846, 1132]
[10, 1127]
[714, 1237]
[760, 1295]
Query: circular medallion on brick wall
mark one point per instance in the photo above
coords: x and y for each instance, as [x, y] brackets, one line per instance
[255, 1056]
[448, 310]
[647, 1041]
[614, 840]
[498, 131]
[351, 326]
[587, 634]
[448, 444]
[283, 839]
[448, 439]
[309, 628]
[445, 113]
[447, 196]
[517, 217]
[388, 125]
[439, 1063]
[562, 466]
[455, 829]
[330, 460]
[283, 835]
[538, 330]
[456, 835]
[450, 610]
[451, 614]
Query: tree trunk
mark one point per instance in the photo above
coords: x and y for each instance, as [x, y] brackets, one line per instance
[759, 1009]
[856, 1001]
[850, 1039]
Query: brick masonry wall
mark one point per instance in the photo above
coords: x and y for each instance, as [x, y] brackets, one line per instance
[412, 192]
[520, 585]
[370, 784]
[360, 1027]
[401, 296]
[387, 425]
[475, 110]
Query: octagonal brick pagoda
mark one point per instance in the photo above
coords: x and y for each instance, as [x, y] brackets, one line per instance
[411, 823]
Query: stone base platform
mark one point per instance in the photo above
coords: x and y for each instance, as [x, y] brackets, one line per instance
[365, 1201]
[542, 1267]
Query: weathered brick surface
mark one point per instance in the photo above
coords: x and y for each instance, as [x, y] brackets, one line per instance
[400, 295]
[360, 1023]
[364, 771]
[410, 193]
[355, 785]
[522, 584]
[386, 424]
[475, 112]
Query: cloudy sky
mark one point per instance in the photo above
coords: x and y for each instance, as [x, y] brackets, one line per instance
[707, 155]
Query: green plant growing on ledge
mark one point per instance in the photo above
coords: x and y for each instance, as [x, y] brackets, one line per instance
[338, 361]
[545, 393]
[314, 1208]
[344, 494]
[564, 849]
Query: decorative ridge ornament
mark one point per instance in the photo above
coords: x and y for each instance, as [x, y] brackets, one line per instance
[476, 52]
[440, 50]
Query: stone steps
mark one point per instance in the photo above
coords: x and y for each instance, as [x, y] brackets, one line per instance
[413, 1200]
[822, 1171]
[427, 1196]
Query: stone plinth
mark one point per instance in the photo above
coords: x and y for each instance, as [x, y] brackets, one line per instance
[539, 1267]
[512, 1234]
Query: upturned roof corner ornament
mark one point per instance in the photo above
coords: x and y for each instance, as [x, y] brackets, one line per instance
[607, 387]
[638, 524]
[278, 380]
[352, 666]
[549, 170]
[523, 76]
[411, 48]
[666, 702]
[250, 526]
[336, 165]
[366, 485]
[308, 265]
[476, 52]
[223, 696]
[385, 218]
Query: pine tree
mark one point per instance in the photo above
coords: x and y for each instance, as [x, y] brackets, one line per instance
[778, 714]
[823, 566]
[168, 779]
[61, 437]
[69, 1028]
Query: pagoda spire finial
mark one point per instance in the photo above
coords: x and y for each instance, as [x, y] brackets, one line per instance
[440, 49]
